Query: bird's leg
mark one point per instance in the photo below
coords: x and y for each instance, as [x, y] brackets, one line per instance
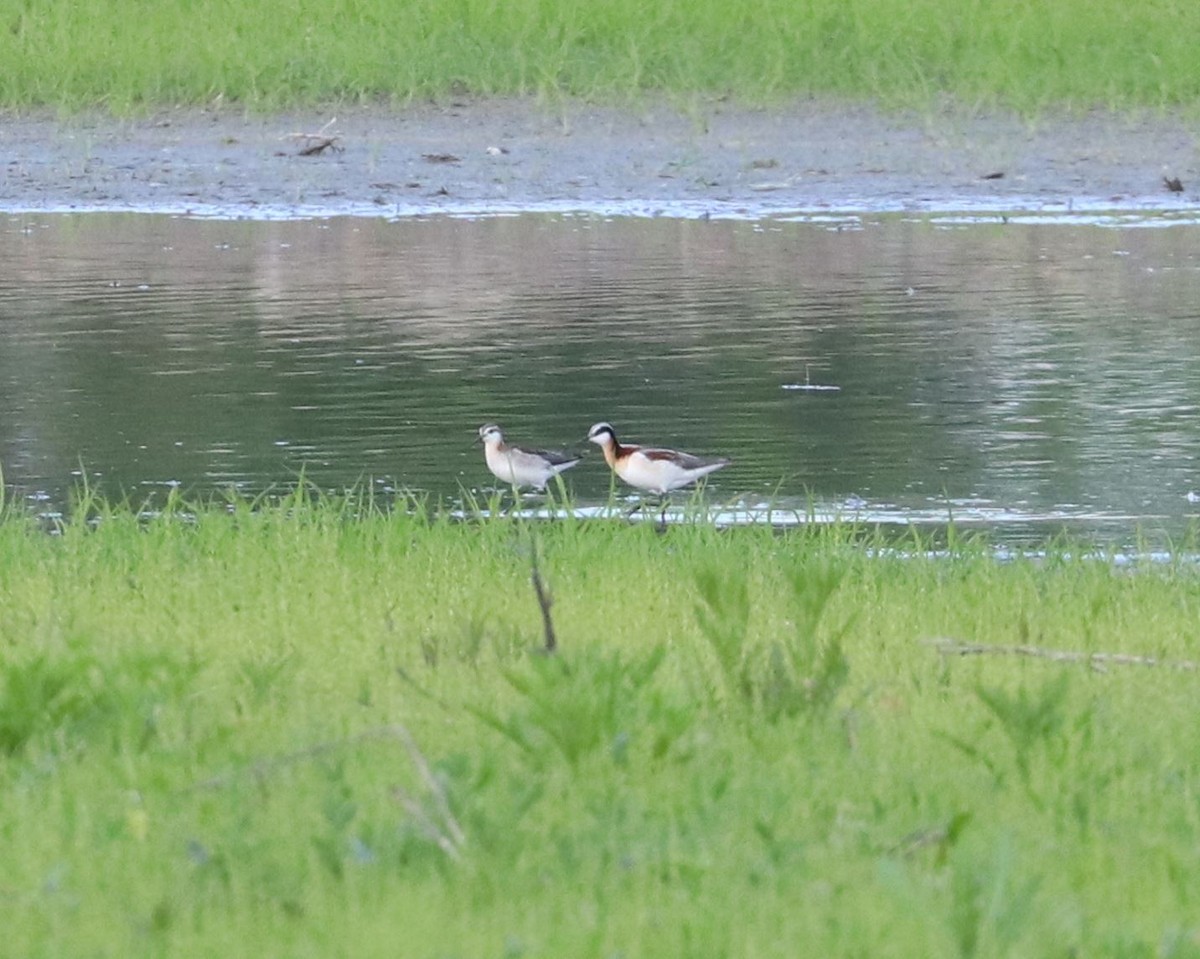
[516, 501]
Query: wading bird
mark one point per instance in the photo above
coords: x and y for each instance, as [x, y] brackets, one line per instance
[646, 467]
[519, 466]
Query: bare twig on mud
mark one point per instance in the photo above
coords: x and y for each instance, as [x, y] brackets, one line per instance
[318, 142]
[951, 647]
[543, 598]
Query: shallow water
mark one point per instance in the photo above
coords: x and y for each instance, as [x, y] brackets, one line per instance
[1021, 376]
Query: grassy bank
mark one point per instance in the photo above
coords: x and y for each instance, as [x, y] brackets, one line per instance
[1030, 55]
[306, 731]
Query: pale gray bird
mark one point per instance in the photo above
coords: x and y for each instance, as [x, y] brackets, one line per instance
[518, 466]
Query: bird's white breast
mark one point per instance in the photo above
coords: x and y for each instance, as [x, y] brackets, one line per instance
[656, 475]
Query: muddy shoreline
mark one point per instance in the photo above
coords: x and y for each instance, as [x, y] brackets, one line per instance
[507, 155]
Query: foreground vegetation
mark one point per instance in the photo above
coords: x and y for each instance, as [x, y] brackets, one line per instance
[1030, 55]
[319, 729]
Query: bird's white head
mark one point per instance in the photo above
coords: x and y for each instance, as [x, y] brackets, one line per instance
[602, 434]
[490, 435]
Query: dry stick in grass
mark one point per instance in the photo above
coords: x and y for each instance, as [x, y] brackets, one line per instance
[951, 647]
[443, 828]
[543, 598]
[263, 767]
[448, 834]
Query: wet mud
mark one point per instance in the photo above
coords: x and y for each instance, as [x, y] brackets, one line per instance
[650, 159]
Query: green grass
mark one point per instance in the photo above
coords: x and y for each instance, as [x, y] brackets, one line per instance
[323, 729]
[1020, 53]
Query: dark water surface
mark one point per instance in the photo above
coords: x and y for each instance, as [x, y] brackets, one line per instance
[1024, 376]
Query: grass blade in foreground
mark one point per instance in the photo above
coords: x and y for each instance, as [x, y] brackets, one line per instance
[742, 744]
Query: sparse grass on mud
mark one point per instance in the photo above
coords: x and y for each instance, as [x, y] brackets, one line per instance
[318, 728]
[1024, 54]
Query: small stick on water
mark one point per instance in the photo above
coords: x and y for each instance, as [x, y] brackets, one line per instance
[315, 143]
[950, 647]
[543, 598]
